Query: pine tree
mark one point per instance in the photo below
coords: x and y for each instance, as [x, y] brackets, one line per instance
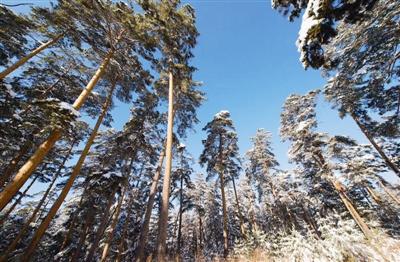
[220, 154]
[298, 122]
[261, 160]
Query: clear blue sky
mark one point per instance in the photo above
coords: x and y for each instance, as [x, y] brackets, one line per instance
[248, 61]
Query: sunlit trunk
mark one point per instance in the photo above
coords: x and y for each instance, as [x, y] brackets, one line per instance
[353, 212]
[163, 220]
[387, 191]
[387, 160]
[144, 231]
[29, 167]
[18, 200]
[75, 172]
[25, 227]
[25, 59]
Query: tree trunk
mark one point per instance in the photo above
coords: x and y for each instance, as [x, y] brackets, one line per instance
[25, 59]
[43, 226]
[388, 162]
[222, 187]
[112, 229]
[124, 231]
[101, 228]
[373, 194]
[180, 218]
[25, 227]
[75, 215]
[224, 214]
[13, 164]
[27, 169]
[163, 220]
[340, 189]
[309, 221]
[82, 236]
[18, 200]
[353, 212]
[242, 229]
[387, 191]
[150, 203]
[200, 233]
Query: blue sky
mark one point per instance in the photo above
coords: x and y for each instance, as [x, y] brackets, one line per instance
[247, 58]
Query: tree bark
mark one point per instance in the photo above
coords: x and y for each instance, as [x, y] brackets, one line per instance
[163, 220]
[43, 226]
[200, 233]
[353, 212]
[101, 228]
[18, 200]
[180, 218]
[150, 203]
[373, 194]
[72, 224]
[13, 164]
[242, 229]
[25, 59]
[224, 214]
[388, 162]
[27, 169]
[25, 227]
[387, 191]
[82, 236]
[224, 210]
[124, 231]
[114, 222]
[341, 190]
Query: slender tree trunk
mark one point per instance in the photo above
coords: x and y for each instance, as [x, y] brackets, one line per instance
[200, 233]
[27, 169]
[353, 212]
[124, 231]
[110, 235]
[341, 190]
[222, 187]
[25, 59]
[18, 200]
[150, 203]
[309, 221]
[373, 194]
[242, 229]
[387, 191]
[75, 215]
[25, 227]
[82, 236]
[43, 226]
[13, 164]
[163, 220]
[7, 175]
[101, 228]
[387, 160]
[180, 218]
[224, 214]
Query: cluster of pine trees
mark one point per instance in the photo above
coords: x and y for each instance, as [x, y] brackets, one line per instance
[72, 191]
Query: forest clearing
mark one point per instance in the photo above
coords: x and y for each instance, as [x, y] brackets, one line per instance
[226, 130]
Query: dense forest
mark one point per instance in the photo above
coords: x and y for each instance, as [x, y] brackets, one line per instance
[73, 188]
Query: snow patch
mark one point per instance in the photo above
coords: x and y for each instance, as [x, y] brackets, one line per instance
[69, 107]
[10, 91]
